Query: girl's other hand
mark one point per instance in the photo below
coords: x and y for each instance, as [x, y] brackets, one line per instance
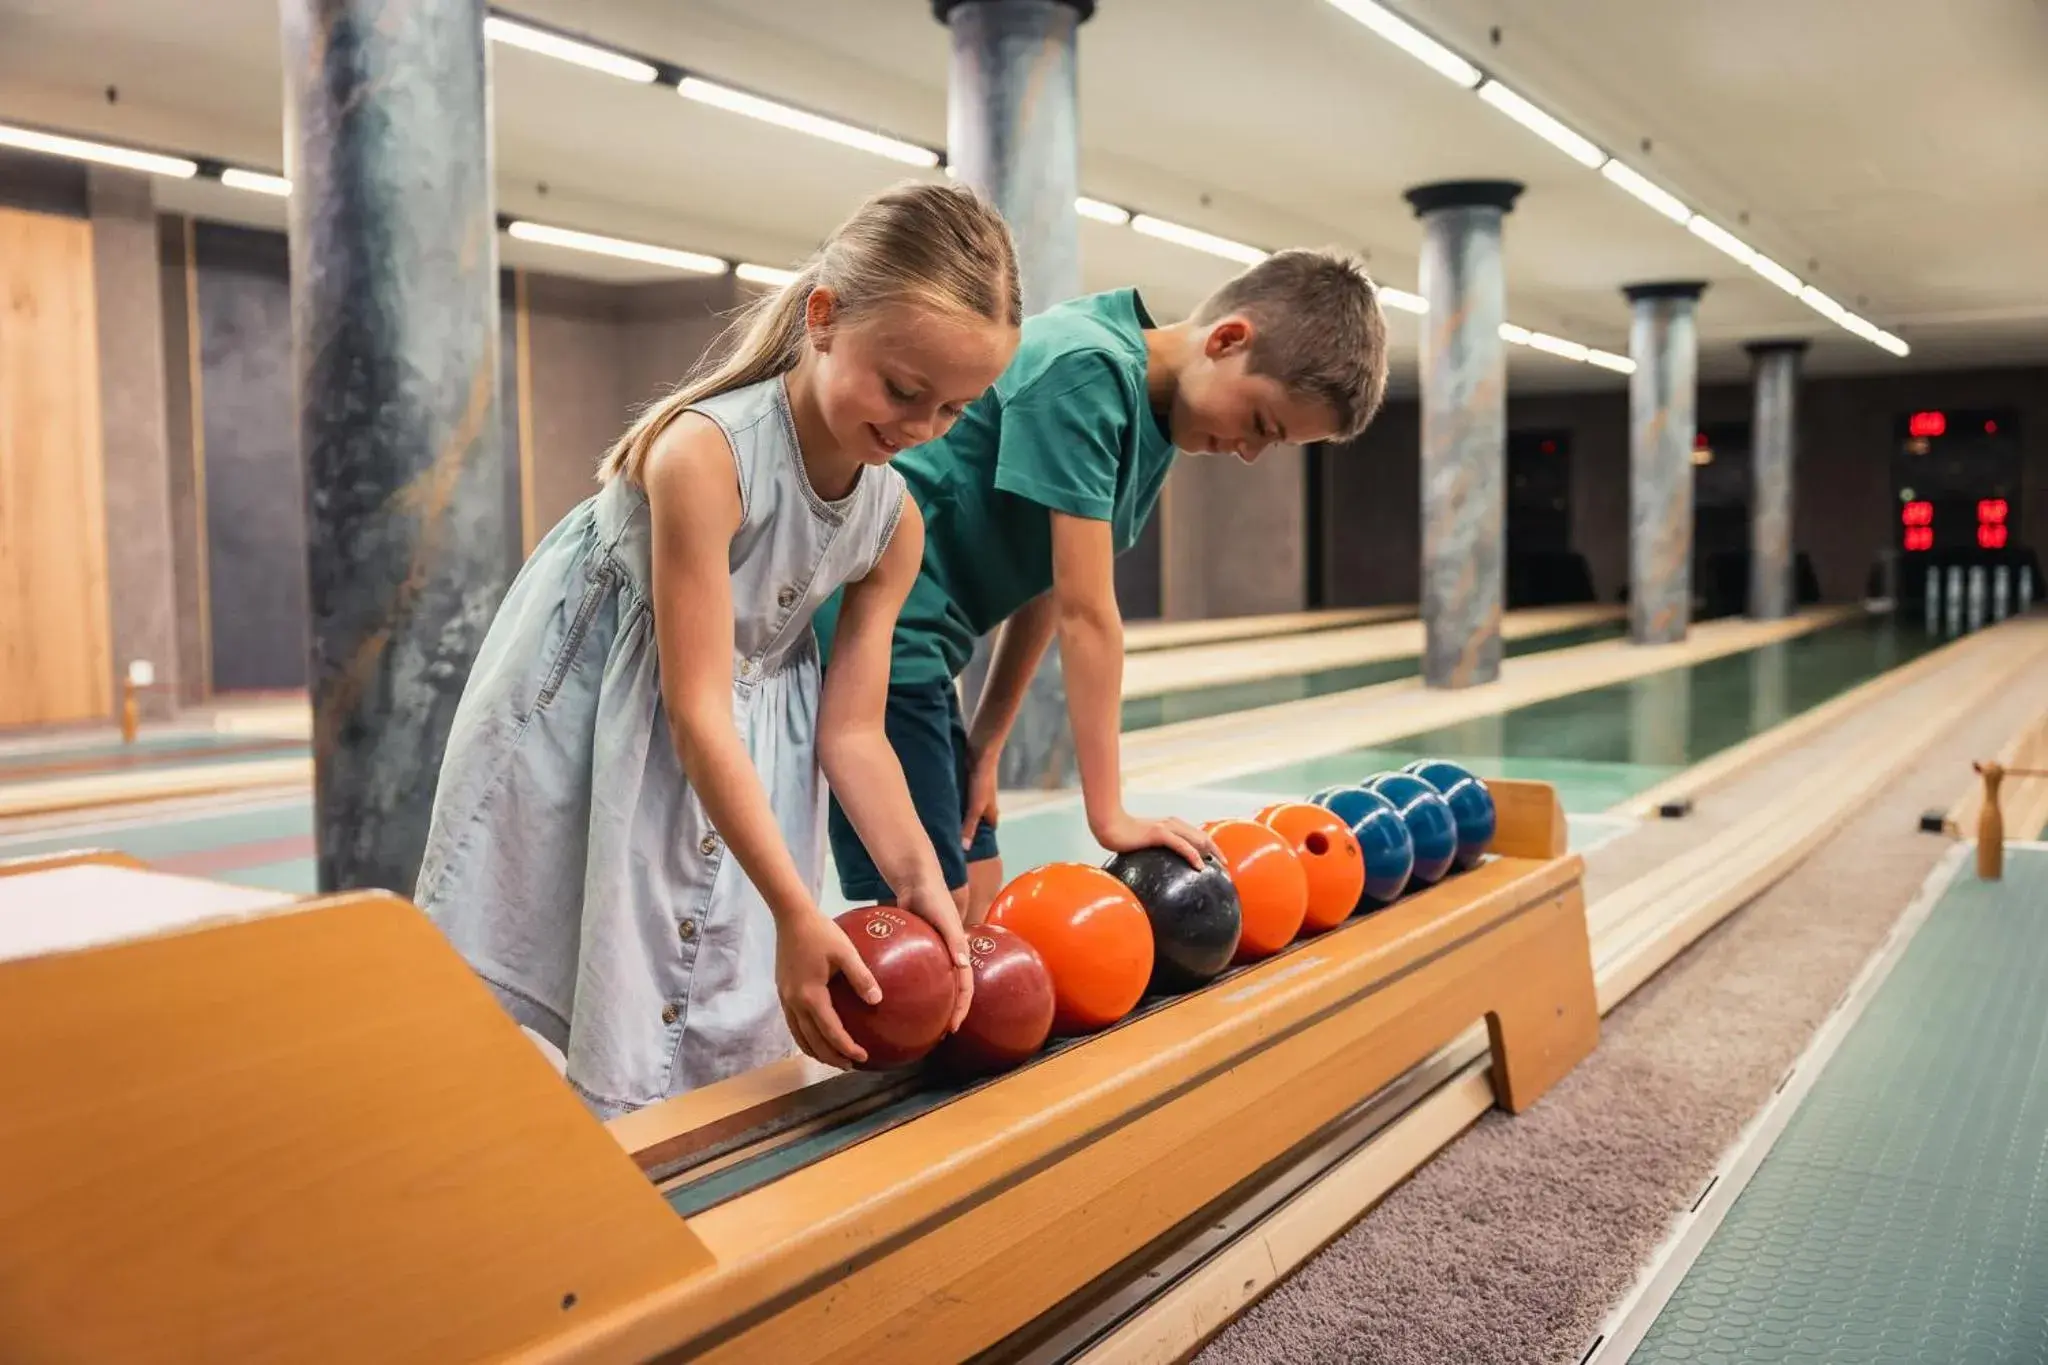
[809, 948]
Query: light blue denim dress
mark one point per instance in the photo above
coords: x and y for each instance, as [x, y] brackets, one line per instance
[568, 860]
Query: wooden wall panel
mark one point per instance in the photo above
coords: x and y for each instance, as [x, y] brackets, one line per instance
[55, 656]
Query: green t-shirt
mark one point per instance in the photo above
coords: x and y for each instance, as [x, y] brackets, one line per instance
[1068, 427]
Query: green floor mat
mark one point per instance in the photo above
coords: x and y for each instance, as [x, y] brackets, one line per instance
[1903, 1212]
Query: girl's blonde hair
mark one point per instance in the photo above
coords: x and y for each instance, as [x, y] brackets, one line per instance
[937, 245]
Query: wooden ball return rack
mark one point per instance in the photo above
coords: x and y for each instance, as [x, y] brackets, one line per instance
[246, 1126]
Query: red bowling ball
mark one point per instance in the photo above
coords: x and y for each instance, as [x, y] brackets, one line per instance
[1011, 1014]
[915, 972]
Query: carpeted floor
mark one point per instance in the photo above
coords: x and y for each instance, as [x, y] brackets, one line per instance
[1514, 1244]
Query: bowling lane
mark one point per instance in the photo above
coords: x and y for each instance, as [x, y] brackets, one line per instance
[1602, 746]
[267, 843]
[1196, 703]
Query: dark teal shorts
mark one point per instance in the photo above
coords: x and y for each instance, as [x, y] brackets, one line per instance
[925, 729]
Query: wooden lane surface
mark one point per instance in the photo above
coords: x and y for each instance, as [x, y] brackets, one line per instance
[2023, 801]
[86, 793]
[1211, 749]
[120, 762]
[1143, 636]
[1212, 665]
[1730, 762]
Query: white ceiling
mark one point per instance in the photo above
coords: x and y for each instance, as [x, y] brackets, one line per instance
[1895, 152]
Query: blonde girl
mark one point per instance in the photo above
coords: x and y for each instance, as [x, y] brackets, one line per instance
[627, 841]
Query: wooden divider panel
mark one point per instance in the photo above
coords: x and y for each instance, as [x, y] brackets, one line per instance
[55, 650]
[302, 1134]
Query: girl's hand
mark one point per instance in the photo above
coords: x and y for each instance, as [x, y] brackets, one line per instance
[809, 948]
[933, 904]
[1126, 833]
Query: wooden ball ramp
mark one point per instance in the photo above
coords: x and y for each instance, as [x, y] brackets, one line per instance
[245, 1126]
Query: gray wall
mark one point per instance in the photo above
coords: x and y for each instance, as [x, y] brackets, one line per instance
[1234, 536]
[141, 579]
[600, 353]
[255, 486]
[1843, 518]
[1371, 512]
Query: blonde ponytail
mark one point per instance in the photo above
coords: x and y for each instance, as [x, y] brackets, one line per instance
[764, 340]
[936, 245]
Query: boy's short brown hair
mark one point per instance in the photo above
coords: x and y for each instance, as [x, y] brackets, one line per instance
[1318, 329]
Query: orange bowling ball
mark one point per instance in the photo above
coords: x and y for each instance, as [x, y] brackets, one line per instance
[1272, 885]
[1329, 855]
[1094, 936]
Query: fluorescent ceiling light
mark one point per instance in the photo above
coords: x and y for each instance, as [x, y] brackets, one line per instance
[1775, 273]
[615, 246]
[1608, 360]
[1714, 235]
[256, 182]
[803, 121]
[769, 275]
[1578, 148]
[515, 34]
[1558, 346]
[1101, 211]
[1886, 341]
[1825, 306]
[1197, 240]
[1401, 299]
[1513, 335]
[1411, 40]
[1656, 196]
[106, 154]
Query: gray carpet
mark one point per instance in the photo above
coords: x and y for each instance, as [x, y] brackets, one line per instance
[1514, 1244]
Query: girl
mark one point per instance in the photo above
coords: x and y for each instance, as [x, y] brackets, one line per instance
[627, 840]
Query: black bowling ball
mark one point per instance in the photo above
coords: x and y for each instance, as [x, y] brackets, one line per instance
[1195, 914]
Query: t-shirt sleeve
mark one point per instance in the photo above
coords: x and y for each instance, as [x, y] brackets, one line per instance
[1061, 435]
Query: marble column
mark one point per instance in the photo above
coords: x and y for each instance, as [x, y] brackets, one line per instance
[1774, 442]
[1663, 396]
[394, 278]
[1463, 369]
[1012, 132]
[128, 296]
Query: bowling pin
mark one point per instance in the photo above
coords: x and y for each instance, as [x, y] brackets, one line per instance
[2026, 596]
[1953, 607]
[1976, 597]
[1930, 593]
[2001, 591]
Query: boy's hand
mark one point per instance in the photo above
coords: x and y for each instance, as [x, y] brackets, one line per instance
[809, 948]
[982, 771]
[1126, 833]
[934, 905]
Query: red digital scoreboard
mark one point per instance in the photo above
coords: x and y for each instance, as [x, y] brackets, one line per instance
[1956, 474]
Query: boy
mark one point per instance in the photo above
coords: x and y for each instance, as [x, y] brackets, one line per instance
[1043, 481]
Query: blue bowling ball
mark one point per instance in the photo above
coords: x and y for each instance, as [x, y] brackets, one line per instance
[1470, 802]
[1382, 837]
[1430, 823]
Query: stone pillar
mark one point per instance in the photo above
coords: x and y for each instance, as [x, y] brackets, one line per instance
[1774, 443]
[1463, 369]
[394, 277]
[127, 289]
[1663, 396]
[1012, 132]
